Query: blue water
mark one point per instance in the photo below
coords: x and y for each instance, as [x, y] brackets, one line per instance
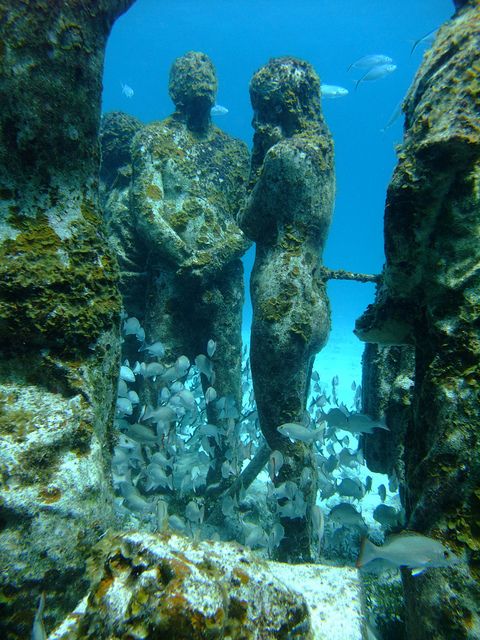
[240, 36]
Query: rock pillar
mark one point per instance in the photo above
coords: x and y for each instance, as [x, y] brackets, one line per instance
[430, 298]
[59, 305]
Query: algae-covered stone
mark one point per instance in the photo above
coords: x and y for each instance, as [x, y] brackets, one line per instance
[59, 305]
[116, 134]
[152, 586]
[288, 215]
[430, 299]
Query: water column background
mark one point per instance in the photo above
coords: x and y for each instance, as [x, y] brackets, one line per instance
[240, 36]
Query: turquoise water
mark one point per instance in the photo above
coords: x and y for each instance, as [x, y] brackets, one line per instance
[240, 36]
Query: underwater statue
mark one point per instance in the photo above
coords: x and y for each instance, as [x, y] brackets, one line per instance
[189, 179]
[288, 215]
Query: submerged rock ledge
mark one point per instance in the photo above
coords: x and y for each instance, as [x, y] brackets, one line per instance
[165, 585]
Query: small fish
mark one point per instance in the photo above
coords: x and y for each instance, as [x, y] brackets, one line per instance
[38, 630]
[367, 62]
[124, 407]
[318, 524]
[155, 349]
[408, 549]
[218, 110]
[131, 326]
[425, 40]
[346, 514]
[228, 506]
[351, 488]
[204, 365]
[368, 484]
[277, 533]
[376, 73]
[387, 516]
[296, 431]
[127, 91]
[350, 458]
[211, 346]
[182, 364]
[382, 492]
[126, 374]
[275, 463]
[194, 513]
[333, 91]
[210, 395]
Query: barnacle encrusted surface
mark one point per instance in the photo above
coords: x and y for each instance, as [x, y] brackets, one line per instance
[166, 586]
[59, 304]
[430, 298]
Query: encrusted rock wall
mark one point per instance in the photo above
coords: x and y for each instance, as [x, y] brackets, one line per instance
[116, 134]
[431, 298]
[59, 305]
[387, 386]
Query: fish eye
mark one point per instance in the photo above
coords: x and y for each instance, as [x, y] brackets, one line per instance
[446, 555]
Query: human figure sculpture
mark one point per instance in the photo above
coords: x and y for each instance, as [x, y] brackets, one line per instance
[189, 179]
[288, 215]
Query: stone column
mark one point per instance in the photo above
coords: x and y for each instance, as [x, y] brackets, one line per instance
[288, 215]
[59, 305]
[431, 297]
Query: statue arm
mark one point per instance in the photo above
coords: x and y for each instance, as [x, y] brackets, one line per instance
[147, 202]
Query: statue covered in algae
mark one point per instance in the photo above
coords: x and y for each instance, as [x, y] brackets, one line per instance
[189, 179]
[288, 215]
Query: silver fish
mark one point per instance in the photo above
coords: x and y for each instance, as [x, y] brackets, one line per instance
[296, 431]
[351, 488]
[345, 513]
[127, 91]
[155, 349]
[367, 62]
[387, 516]
[408, 549]
[333, 91]
[376, 73]
[218, 110]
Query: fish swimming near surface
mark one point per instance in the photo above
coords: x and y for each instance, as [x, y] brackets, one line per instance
[408, 549]
[218, 110]
[127, 91]
[376, 73]
[369, 61]
[333, 91]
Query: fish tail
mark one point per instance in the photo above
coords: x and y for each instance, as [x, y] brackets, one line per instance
[368, 552]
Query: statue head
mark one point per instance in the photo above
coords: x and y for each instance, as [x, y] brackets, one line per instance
[193, 88]
[285, 93]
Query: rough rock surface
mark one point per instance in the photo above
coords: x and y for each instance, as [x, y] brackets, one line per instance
[116, 134]
[59, 304]
[288, 215]
[430, 298]
[387, 385]
[164, 585]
